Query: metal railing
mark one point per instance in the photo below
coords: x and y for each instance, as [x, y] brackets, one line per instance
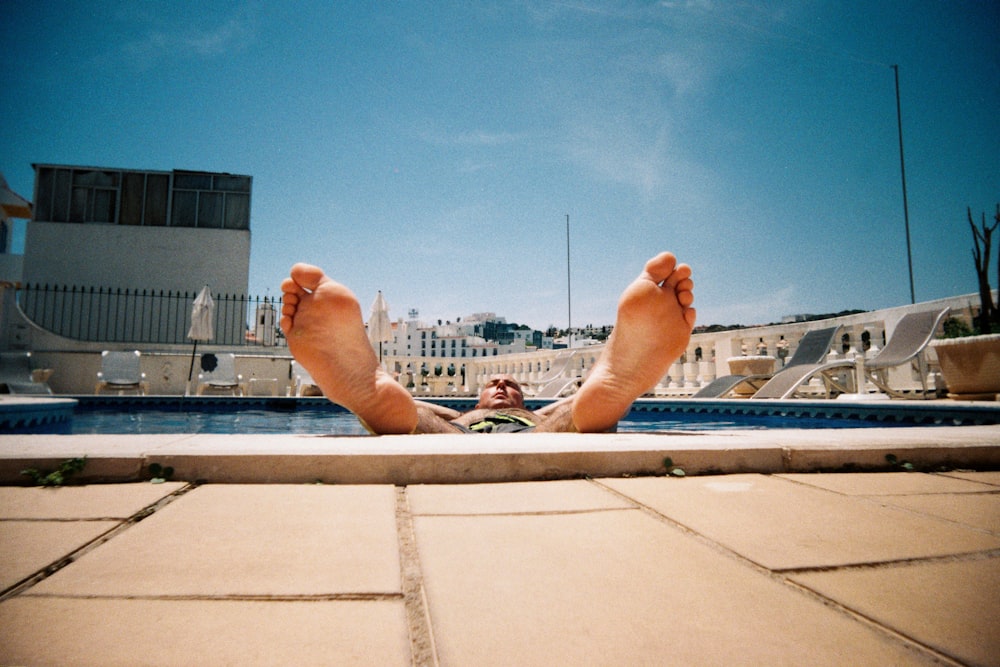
[134, 316]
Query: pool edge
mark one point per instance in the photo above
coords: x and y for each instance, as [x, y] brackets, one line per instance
[449, 459]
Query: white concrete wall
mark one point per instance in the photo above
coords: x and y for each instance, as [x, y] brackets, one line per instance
[162, 258]
[166, 371]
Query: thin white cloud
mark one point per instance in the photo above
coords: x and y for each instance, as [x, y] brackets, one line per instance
[615, 153]
[470, 138]
[159, 44]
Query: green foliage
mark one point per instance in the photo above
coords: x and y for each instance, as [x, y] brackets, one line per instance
[672, 470]
[896, 463]
[160, 474]
[56, 477]
[956, 328]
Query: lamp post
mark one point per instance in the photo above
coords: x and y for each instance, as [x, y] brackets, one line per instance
[902, 170]
[569, 294]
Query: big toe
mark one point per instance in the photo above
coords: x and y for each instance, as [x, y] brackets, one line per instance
[660, 267]
[307, 276]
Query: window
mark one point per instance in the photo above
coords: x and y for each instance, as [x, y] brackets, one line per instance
[230, 183]
[192, 181]
[94, 196]
[133, 193]
[237, 211]
[211, 201]
[82, 195]
[157, 186]
[210, 210]
[77, 195]
[185, 205]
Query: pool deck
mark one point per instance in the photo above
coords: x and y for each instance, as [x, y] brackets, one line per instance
[506, 550]
[817, 569]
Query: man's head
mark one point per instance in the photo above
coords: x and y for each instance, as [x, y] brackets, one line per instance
[502, 391]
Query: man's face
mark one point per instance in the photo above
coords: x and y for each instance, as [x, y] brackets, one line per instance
[502, 391]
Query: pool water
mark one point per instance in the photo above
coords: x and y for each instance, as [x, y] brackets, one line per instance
[244, 422]
[328, 422]
[221, 415]
[646, 422]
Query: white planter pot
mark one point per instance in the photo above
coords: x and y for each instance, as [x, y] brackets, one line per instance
[970, 366]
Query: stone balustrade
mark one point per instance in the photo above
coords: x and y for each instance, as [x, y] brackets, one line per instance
[542, 372]
[707, 356]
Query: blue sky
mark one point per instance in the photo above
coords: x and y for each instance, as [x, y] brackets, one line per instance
[433, 149]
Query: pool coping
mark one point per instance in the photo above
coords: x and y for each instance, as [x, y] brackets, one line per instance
[459, 458]
[462, 458]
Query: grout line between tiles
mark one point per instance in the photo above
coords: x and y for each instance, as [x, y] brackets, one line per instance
[422, 650]
[231, 597]
[50, 569]
[524, 513]
[781, 577]
[967, 557]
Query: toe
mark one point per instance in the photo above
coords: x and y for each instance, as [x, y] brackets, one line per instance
[659, 268]
[307, 276]
[679, 274]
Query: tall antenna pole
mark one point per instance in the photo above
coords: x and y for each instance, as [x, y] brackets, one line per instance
[902, 171]
[569, 294]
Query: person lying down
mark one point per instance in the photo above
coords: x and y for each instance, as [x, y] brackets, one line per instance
[323, 325]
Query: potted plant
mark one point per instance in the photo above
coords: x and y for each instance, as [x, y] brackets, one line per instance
[970, 358]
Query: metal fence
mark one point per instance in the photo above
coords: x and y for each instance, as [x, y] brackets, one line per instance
[114, 315]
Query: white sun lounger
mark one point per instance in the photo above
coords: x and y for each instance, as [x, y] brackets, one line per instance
[120, 371]
[908, 341]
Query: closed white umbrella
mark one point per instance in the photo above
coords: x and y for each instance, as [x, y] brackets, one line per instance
[379, 324]
[202, 322]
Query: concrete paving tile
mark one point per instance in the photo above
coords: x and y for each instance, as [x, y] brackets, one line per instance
[888, 483]
[259, 540]
[58, 631]
[951, 606]
[27, 547]
[515, 497]
[620, 587]
[96, 501]
[780, 524]
[978, 510]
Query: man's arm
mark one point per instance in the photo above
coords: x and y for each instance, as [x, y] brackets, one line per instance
[439, 410]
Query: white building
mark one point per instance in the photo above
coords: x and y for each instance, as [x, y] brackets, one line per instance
[154, 236]
[163, 230]
[453, 340]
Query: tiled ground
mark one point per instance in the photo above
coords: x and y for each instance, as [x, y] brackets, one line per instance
[818, 569]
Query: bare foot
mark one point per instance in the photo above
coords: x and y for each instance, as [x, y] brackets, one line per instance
[652, 329]
[326, 334]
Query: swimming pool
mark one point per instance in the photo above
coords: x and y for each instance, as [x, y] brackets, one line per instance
[317, 416]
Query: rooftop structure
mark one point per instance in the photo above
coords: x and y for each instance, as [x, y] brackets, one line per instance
[162, 230]
[145, 234]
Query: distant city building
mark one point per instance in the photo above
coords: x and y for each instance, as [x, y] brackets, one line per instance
[473, 337]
